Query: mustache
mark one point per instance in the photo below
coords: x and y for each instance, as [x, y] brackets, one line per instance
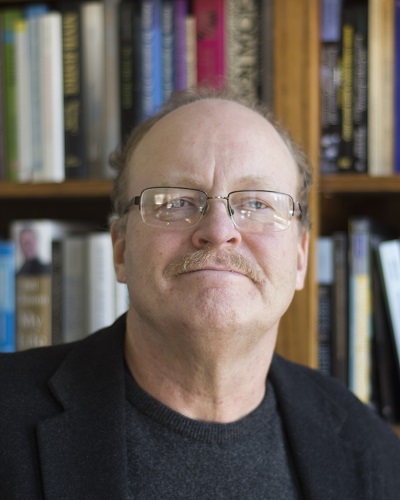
[230, 259]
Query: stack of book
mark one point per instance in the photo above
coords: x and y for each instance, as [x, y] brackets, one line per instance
[75, 79]
[359, 311]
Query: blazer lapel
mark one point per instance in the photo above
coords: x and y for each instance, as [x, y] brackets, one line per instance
[82, 450]
[327, 467]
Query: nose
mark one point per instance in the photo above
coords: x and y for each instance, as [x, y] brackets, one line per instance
[216, 227]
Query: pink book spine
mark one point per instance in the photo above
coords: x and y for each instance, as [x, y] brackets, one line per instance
[210, 41]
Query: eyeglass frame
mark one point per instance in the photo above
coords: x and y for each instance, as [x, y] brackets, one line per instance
[137, 201]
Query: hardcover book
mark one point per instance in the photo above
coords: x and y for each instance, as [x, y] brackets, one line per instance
[7, 296]
[75, 165]
[210, 23]
[33, 240]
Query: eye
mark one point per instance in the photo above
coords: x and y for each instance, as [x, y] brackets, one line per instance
[254, 204]
[179, 203]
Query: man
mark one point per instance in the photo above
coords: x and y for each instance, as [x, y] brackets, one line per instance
[183, 397]
[32, 264]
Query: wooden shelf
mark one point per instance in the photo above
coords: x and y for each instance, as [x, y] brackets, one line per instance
[88, 188]
[358, 184]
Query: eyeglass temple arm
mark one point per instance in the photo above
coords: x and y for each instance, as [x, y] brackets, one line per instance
[131, 203]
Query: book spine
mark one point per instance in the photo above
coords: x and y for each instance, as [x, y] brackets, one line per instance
[93, 77]
[360, 315]
[74, 288]
[210, 41]
[340, 355]
[181, 12]
[3, 173]
[242, 35]
[389, 257]
[345, 160]
[57, 297]
[360, 102]
[7, 296]
[23, 103]
[397, 88]
[380, 87]
[151, 57]
[325, 317]
[100, 281]
[330, 84]
[52, 108]
[191, 51]
[75, 166]
[10, 17]
[167, 23]
[111, 123]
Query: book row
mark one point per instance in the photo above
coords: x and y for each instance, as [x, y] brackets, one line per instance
[359, 312]
[75, 79]
[360, 87]
[57, 284]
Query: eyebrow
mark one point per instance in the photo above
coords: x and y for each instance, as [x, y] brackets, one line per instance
[197, 182]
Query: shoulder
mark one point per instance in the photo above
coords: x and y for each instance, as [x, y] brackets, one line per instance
[329, 401]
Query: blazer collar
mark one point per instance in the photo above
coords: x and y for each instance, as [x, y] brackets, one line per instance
[316, 428]
[89, 435]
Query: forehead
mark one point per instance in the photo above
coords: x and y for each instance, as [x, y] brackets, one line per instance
[213, 142]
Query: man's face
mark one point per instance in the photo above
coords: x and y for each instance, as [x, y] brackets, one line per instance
[27, 242]
[216, 146]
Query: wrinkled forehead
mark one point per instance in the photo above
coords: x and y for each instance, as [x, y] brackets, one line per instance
[209, 136]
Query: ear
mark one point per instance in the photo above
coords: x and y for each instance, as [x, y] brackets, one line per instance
[118, 242]
[302, 258]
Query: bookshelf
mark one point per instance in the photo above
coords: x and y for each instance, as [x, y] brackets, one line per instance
[296, 105]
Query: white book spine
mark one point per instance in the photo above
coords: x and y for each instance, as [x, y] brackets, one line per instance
[52, 107]
[389, 255]
[100, 281]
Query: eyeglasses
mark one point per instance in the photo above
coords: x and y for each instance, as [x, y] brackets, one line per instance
[249, 210]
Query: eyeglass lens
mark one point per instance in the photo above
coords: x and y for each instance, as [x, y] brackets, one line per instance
[250, 210]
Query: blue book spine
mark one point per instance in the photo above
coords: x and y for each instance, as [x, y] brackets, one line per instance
[7, 296]
[151, 56]
[397, 88]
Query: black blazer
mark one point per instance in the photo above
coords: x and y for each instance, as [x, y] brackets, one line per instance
[62, 428]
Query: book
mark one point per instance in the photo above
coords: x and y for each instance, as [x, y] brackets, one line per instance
[111, 123]
[9, 19]
[2, 115]
[23, 103]
[386, 363]
[93, 81]
[74, 140]
[100, 281]
[33, 241]
[340, 355]
[397, 87]
[389, 258]
[242, 42]
[51, 99]
[181, 8]
[380, 87]
[129, 67]
[32, 15]
[68, 289]
[267, 53]
[191, 51]
[7, 296]
[325, 278]
[330, 85]
[345, 160]
[360, 308]
[360, 87]
[151, 60]
[210, 29]
[168, 48]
